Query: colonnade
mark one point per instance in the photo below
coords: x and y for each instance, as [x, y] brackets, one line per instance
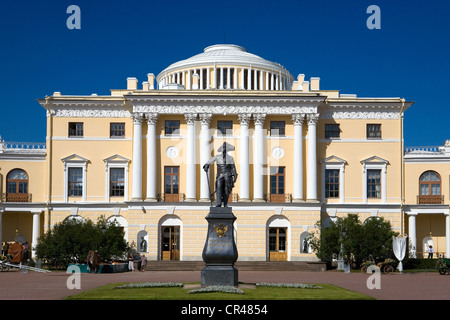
[244, 159]
[225, 77]
[413, 236]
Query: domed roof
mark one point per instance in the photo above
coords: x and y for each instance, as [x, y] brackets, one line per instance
[226, 54]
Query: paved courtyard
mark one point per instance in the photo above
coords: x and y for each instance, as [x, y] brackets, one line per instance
[15, 285]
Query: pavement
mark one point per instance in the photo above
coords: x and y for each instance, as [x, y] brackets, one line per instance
[16, 285]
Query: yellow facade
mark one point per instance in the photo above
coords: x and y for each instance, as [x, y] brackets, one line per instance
[275, 122]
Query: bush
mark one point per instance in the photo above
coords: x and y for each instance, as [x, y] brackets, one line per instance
[71, 240]
[358, 240]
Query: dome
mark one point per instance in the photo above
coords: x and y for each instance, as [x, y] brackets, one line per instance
[226, 66]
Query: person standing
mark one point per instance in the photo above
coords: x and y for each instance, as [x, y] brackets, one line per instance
[131, 262]
[143, 262]
[430, 251]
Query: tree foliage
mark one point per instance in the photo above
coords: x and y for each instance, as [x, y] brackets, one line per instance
[357, 240]
[70, 241]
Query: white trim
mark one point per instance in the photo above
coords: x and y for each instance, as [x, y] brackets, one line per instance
[116, 161]
[334, 162]
[375, 163]
[74, 161]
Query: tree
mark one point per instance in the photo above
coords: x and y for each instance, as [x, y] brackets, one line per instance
[70, 241]
[356, 240]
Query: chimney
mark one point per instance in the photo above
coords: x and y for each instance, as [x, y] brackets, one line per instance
[315, 83]
[151, 81]
[305, 86]
[145, 86]
[132, 83]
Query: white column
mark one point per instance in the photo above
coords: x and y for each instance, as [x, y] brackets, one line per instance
[208, 84]
[201, 79]
[447, 235]
[228, 78]
[189, 80]
[221, 78]
[311, 178]
[249, 79]
[205, 155]
[214, 85]
[36, 230]
[136, 192]
[242, 79]
[298, 156]
[258, 158]
[267, 80]
[244, 166]
[412, 234]
[235, 78]
[152, 118]
[191, 186]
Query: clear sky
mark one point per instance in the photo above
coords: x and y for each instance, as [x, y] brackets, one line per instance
[408, 57]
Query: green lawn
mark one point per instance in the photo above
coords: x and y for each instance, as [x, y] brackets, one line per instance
[328, 292]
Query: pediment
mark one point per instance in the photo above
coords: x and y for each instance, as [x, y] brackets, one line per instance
[334, 159]
[74, 158]
[116, 158]
[374, 160]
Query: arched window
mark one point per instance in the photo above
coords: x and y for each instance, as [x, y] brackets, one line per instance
[430, 188]
[17, 181]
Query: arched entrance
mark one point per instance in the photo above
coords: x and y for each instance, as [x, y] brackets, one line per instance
[278, 235]
[170, 235]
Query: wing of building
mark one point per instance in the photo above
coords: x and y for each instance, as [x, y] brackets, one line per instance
[303, 155]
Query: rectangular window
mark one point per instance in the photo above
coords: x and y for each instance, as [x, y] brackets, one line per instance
[332, 131]
[374, 184]
[75, 129]
[117, 182]
[374, 131]
[332, 183]
[117, 130]
[172, 127]
[75, 187]
[224, 127]
[277, 128]
[171, 184]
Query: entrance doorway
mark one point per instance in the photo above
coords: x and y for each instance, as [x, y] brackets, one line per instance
[277, 244]
[170, 243]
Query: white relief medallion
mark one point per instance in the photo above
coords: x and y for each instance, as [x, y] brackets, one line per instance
[172, 152]
[278, 152]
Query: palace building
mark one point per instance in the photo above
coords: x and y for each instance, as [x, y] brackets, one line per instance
[303, 155]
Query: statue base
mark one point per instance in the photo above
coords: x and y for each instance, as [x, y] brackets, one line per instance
[220, 251]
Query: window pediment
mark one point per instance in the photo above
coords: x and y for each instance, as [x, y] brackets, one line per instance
[75, 158]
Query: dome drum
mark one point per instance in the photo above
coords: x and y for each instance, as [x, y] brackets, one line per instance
[226, 67]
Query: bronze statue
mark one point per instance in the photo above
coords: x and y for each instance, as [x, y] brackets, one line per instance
[226, 173]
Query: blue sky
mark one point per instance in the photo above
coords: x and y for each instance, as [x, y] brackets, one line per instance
[408, 57]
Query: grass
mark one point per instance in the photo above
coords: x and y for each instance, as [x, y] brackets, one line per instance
[327, 292]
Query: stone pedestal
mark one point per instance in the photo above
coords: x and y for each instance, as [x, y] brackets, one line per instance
[220, 251]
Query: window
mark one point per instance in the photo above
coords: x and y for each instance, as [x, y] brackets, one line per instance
[171, 184]
[374, 131]
[373, 183]
[224, 127]
[332, 183]
[172, 127]
[430, 184]
[117, 130]
[75, 129]
[17, 186]
[117, 182]
[277, 128]
[277, 175]
[75, 182]
[332, 131]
